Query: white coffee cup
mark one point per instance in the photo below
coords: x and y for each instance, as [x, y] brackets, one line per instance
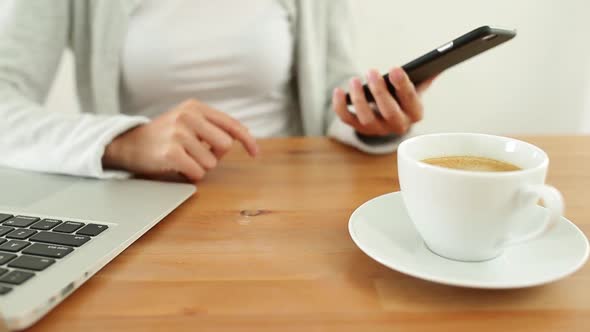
[474, 215]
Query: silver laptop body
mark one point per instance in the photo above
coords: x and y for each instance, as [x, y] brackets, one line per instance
[120, 211]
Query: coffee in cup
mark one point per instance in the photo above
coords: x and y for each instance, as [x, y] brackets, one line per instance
[472, 163]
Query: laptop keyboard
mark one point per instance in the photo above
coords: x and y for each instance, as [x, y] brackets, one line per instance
[29, 245]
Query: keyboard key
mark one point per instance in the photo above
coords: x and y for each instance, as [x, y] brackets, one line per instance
[4, 290]
[2, 271]
[14, 245]
[57, 238]
[48, 250]
[20, 221]
[31, 263]
[6, 257]
[20, 234]
[5, 230]
[92, 229]
[68, 227]
[4, 216]
[46, 224]
[16, 277]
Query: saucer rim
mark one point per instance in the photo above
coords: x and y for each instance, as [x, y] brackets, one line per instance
[454, 281]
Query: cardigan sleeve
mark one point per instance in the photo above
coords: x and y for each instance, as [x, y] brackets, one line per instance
[341, 66]
[33, 36]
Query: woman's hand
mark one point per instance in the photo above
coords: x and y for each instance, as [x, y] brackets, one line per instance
[190, 139]
[395, 116]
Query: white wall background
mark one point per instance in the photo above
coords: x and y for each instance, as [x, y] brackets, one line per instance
[536, 83]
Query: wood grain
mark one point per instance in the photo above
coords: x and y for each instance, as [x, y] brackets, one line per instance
[264, 246]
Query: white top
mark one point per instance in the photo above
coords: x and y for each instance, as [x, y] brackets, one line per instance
[233, 55]
[37, 32]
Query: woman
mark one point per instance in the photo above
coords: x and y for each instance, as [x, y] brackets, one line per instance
[168, 86]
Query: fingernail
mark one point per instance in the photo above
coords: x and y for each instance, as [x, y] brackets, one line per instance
[335, 93]
[355, 82]
[373, 76]
[398, 75]
[255, 152]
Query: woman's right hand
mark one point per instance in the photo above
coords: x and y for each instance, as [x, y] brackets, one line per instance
[190, 139]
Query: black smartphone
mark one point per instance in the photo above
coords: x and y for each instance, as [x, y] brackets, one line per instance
[448, 55]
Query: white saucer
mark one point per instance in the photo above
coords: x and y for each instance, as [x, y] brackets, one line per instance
[382, 229]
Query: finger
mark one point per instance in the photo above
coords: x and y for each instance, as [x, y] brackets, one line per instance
[406, 94]
[396, 120]
[340, 108]
[235, 129]
[181, 162]
[190, 168]
[362, 108]
[217, 153]
[364, 112]
[201, 154]
[215, 138]
[190, 142]
[425, 85]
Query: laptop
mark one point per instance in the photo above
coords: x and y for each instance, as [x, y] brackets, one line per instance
[57, 231]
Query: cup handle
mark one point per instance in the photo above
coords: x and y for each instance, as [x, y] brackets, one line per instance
[553, 202]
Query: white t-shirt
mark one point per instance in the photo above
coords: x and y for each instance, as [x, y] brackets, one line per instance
[233, 55]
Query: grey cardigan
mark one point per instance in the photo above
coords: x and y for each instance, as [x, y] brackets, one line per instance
[35, 33]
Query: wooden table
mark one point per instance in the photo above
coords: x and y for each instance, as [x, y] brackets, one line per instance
[264, 246]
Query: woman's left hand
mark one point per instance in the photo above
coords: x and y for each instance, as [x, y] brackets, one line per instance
[395, 116]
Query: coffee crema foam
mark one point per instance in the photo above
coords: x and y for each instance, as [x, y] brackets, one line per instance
[472, 163]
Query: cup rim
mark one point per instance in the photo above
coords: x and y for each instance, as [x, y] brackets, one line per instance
[403, 145]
